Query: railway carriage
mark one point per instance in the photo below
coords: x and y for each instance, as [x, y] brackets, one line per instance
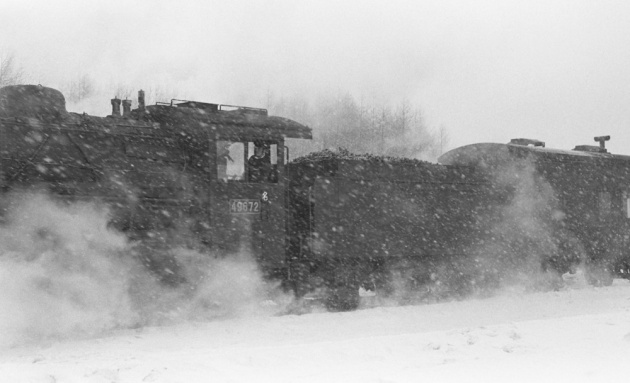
[590, 188]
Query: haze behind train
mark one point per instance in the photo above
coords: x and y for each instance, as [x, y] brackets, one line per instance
[486, 70]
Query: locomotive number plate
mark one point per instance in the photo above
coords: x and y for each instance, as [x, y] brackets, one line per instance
[244, 206]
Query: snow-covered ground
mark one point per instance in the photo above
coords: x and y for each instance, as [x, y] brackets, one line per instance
[577, 334]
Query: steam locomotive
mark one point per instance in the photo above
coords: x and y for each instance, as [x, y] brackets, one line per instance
[181, 174]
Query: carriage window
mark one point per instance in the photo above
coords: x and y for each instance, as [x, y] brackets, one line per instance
[605, 204]
[626, 204]
[230, 161]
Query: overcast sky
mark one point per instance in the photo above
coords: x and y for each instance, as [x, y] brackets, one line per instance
[488, 71]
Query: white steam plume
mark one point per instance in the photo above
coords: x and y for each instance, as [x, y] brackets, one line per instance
[524, 232]
[65, 274]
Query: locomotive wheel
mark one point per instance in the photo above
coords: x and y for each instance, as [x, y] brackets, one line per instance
[597, 275]
[606, 279]
[623, 271]
[342, 298]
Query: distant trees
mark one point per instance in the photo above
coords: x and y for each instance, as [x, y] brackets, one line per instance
[79, 89]
[339, 120]
[11, 72]
[86, 94]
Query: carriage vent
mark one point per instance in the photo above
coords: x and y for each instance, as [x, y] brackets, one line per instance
[594, 149]
[589, 149]
[527, 142]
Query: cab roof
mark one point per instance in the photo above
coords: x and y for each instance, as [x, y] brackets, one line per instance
[225, 124]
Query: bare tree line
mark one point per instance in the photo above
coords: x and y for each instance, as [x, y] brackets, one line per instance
[339, 120]
[11, 72]
[84, 92]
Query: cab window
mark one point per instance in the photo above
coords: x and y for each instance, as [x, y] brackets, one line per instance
[230, 161]
[249, 161]
[262, 162]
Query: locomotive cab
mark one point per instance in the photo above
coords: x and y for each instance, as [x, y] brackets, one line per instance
[244, 169]
[183, 173]
[248, 198]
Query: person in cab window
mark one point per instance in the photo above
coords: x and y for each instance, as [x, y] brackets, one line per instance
[260, 163]
[224, 159]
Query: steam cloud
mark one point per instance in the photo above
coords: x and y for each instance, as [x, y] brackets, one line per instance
[65, 274]
[525, 234]
[518, 245]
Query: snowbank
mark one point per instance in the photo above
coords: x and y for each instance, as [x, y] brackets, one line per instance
[578, 334]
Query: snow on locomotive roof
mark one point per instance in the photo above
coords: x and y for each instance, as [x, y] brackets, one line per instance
[194, 118]
[224, 123]
[493, 152]
[32, 101]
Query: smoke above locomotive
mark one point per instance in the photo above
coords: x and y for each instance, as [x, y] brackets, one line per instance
[217, 179]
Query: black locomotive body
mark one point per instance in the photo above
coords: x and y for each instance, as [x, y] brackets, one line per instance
[170, 174]
[181, 174]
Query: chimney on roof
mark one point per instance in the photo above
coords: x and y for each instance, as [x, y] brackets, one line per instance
[126, 108]
[141, 100]
[115, 107]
